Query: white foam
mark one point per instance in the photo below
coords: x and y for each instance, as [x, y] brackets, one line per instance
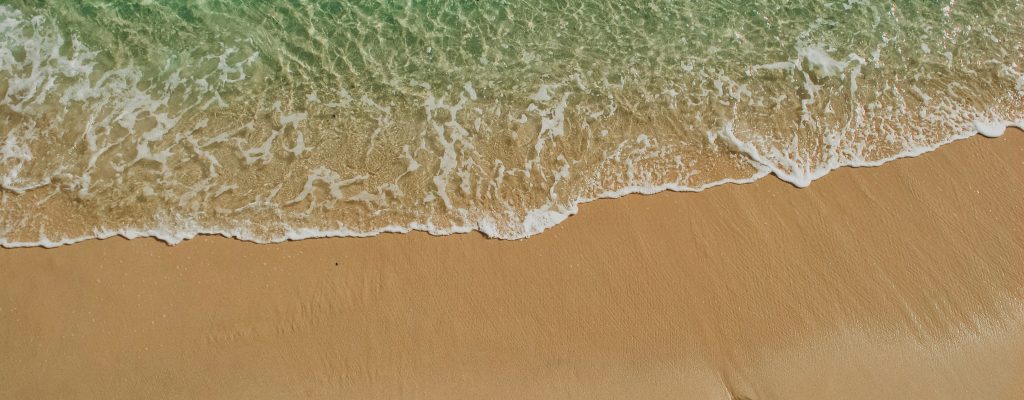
[448, 159]
[992, 129]
[543, 92]
[534, 222]
[333, 180]
[802, 174]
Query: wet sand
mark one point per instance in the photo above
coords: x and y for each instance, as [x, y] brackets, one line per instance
[904, 281]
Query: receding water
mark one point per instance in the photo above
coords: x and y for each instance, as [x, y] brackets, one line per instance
[270, 120]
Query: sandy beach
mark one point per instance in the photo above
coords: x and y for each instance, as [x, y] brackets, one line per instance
[898, 282]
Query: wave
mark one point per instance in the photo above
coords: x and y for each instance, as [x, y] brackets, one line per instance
[269, 124]
[537, 222]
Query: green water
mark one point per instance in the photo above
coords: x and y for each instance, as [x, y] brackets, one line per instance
[272, 120]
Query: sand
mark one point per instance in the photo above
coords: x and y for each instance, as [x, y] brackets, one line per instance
[904, 281]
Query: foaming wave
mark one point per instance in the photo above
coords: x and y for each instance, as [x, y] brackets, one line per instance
[536, 221]
[393, 121]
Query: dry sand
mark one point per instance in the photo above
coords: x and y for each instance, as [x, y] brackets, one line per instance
[903, 282]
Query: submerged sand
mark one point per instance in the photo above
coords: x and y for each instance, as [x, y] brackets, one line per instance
[903, 281]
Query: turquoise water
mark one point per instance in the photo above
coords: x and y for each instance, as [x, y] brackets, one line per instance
[274, 120]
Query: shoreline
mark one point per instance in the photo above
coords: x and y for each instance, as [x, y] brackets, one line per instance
[901, 281]
[551, 218]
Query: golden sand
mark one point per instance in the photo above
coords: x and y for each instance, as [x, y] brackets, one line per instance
[904, 281]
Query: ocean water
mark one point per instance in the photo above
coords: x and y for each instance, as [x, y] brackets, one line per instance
[275, 120]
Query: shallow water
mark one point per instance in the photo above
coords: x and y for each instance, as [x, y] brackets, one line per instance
[269, 121]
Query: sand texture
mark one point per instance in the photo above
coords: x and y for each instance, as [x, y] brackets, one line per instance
[904, 281]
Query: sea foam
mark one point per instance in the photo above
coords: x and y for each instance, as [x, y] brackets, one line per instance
[353, 122]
